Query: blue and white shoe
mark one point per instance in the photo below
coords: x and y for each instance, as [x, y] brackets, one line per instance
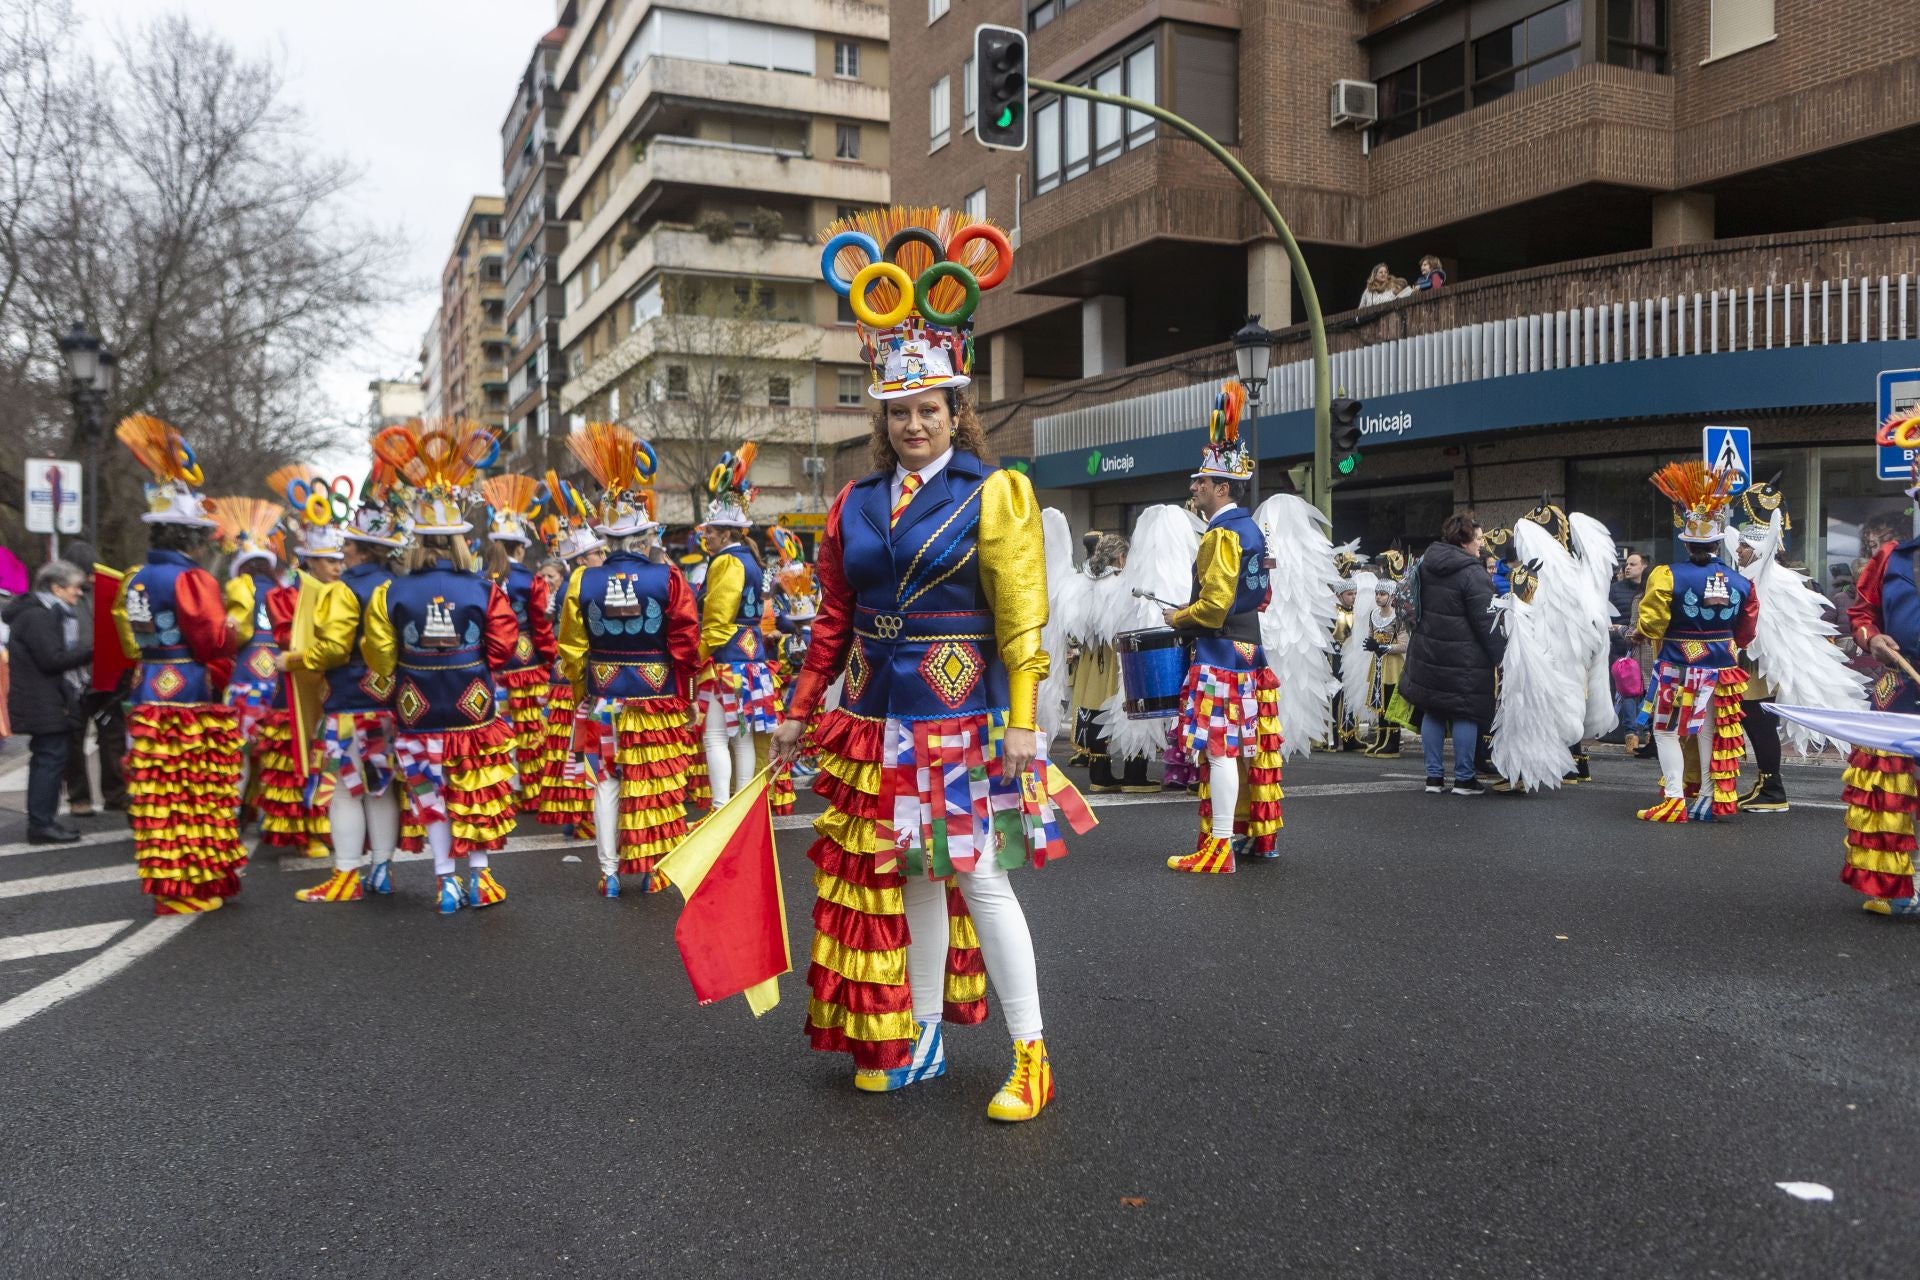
[453, 894]
[377, 877]
[929, 1063]
[1700, 808]
[1893, 906]
[610, 886]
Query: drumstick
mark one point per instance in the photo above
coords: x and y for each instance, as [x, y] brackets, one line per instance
[1168, 604]
[1906, 667]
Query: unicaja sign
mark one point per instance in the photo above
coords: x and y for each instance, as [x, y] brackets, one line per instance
[1100, 464]
[1386, 424]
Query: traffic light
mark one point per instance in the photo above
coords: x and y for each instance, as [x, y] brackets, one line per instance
[1345, 418]
[1000, 87]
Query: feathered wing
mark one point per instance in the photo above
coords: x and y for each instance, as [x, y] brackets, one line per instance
[1530, 745]
[1070, 601]
[1560, 620]
[1597, 557]
[1055, 637]
[1792, 649]
[1355, 661]
[1296, 630]
[1160, 563]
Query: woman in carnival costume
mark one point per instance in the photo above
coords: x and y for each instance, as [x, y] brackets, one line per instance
[566, 790]
[183, 741]
[629, 650]
[740, 686]
[353, 781]
[1700, 613]
[933, 600]
[443, 632]
[796, 602]
[1385, 646]
[512, 504]
[1230, 707]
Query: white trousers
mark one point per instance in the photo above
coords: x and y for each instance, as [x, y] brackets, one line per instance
[606, 824]
[729, 759]
[1223, 792]
[363, 825]
[1673, 760]
[1006, 946]
[440, 840]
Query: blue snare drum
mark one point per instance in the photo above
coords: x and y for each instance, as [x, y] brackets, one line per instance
[1153, 670]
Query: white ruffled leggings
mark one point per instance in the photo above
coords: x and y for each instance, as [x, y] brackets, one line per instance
[1006, 946]
[1673, 760]
[363, 825]
[1223, 793]
[729, 759]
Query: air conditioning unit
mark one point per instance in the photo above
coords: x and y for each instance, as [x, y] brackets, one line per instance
[813, 468]
[1355, 102]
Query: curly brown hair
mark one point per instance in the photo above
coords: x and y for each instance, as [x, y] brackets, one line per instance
[968, 435]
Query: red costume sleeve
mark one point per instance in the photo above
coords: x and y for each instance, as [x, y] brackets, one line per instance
[1863, 615]
[503, 630]
[833, 627]
[539, 621]
[281, 603]
[683, 630]
[1748, 622]
[203, 617]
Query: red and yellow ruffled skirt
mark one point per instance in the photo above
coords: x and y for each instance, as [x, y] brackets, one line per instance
[651, 754]
[566, 793]
[285, 819]
[527, 697]
[861, 1003]
[1257, 813]
[183, 791]
[463, 777]
[1881, 802]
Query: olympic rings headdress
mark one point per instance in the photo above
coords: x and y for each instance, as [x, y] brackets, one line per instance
[173, 496]
[1225, 456]
[513, 504]
[1903, 431]
[380, 518]
[438, 462]
[913, 278]
[623, 465]
[322, 508]
[730, 493]
[249, 529]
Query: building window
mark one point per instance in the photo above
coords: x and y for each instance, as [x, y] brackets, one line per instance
[969, 97]
[676, 382]
[779, 390]
[1531, 51]
[846, 59]
[1071, 136]
[727, 387]
[842, 310]
[848, 389]
[1041, 12]
[577, 362]
[939, 113]
[1637, 34]
[1733, 25]
[593, 273]
[936, 8]
[846, 142]
[1427, 92]
[976, 206]
[1046, 146]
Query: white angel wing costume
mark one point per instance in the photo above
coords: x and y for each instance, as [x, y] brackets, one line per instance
[1530, 745]
[1597, 557]
[1056, 637]
[1159, 563]
[1296, 631]
[1791, 648]
[1559, 617]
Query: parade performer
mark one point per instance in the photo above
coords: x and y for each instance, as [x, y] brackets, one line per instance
[441, 632]
[1095, 609]
[566, 790]
[354, 781]
[183, 740]
[1385, 648]
[1296, 627]
[629, 649]
[739, 687]
[1230, 708]
[1564, 640]
[1345, 734]
[1699, 612]
[933, 601]
[795, 598]
[512, 506]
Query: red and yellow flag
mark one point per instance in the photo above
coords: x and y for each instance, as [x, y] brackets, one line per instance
[110, 661]
[732, 932]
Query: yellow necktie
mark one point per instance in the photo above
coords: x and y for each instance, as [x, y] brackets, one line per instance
[908, 484]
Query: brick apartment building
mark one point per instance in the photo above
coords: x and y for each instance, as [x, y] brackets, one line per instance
[473, 344]
[1653, 214]
[531, 172]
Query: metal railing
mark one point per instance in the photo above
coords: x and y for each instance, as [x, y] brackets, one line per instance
[1751, 318]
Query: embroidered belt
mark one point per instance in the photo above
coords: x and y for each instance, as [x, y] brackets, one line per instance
[918, 628]
[441, 659]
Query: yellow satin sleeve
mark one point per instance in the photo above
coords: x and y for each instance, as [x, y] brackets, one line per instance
[128, 645]
[336, 616]
[240, 599]
[1656, 603]
[572, 637]
[1013, 578]
[726, 582]
[1217, 566]
[379, 648]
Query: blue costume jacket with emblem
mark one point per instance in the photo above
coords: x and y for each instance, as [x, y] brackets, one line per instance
[442, 634]
[1675, 610]
[742, 641]
[628, 630]
[173, 621]
[256, 673]
[1230, 588]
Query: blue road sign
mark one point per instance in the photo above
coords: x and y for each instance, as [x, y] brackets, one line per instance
[1899, 393]
[1725, 448]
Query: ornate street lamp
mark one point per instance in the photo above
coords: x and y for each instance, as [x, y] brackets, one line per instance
[90, 373]
[1252, 357]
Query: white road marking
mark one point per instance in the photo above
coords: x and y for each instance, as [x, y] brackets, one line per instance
[122, 836]
[54, 941]
[68, 880]
[91, 973]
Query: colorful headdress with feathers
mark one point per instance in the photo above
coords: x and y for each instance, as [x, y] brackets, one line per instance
[322, 507]
[623, 465]
[173, 495]
[380, 518]
[913, 278]
[1902, 431]
[1757, 504]
[730, 492]
[249, 529]
[1226, 456]
[438, 463]
[568, 526]
[1700, 497]
[513, 503]
[795, 594]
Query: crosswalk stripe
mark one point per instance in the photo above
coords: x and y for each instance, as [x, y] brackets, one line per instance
[92, 971]
[90, 838]
[84, 938]
[31, 885]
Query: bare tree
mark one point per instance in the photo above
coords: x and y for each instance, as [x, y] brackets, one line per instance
[175, 207]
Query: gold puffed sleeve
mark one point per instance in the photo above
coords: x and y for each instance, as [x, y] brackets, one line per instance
[379, 648]
[240, 599]
[572, 637]
[1656, 604]
[719, 614]
[336, 616]
[128, 645]
[1013, 578]
[1217, 567]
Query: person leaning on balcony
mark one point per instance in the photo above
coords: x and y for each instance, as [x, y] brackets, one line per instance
[1383, 286]
[1432, 274]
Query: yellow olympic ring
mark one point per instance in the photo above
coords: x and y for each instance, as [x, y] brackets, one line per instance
[318, 509]
[858, 299]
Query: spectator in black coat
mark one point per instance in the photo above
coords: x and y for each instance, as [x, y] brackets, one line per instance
[46, 649]
[1453, 652]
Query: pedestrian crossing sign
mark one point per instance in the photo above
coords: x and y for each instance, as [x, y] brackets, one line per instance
[1729, 449]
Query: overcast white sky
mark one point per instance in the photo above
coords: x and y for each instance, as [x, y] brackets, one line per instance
[413, 92]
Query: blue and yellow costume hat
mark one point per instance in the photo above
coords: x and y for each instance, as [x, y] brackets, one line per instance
[1700, 498]
[321, 508]
[439, 463]
[623, 465]
[730, 493]
[173, 495]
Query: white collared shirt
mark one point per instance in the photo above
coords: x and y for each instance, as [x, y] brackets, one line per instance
[927, 473]
[1214, 520]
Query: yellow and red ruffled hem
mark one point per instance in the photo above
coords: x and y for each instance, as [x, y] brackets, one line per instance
[528, 694]
[1259, 814]
[183, 783]
[1880, 823]
[651, 752]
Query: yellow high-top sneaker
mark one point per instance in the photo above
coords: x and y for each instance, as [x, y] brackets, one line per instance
[341, 886]
[1213, 857]
[1029, 1088]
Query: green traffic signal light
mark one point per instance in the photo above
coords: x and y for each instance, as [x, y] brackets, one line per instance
[1006, 117]
[1348, 464]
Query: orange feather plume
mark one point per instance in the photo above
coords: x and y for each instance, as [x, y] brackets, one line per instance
[158, 447]
[608, 451]
[1691, 485]
[516, 493]
[249, 520]
[440, 455]
[280, 477]
[979, 257]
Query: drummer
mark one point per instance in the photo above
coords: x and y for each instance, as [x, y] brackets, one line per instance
[1230, 707]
